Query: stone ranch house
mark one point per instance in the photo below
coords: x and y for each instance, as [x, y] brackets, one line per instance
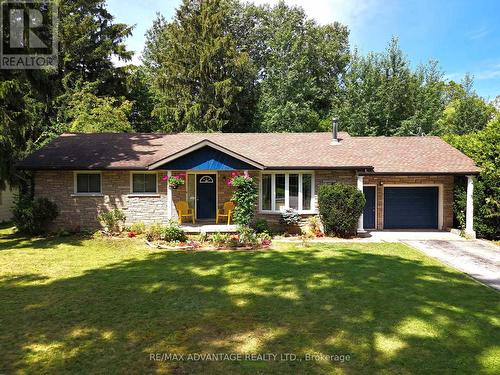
[408, 181]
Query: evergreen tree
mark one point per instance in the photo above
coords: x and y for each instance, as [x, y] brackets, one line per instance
[33, 103]
[202, 80]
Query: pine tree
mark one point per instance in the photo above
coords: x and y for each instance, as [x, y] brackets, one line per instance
[202, 80]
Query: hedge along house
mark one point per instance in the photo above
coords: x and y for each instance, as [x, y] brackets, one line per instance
[408, 181]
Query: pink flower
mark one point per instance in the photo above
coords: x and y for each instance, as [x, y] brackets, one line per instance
[246, 174]
[234, 174]
[230, 182]
[165, 178]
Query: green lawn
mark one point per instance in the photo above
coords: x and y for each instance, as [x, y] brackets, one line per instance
[102, 306]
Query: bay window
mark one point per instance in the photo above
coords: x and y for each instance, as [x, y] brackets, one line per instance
[281, 190]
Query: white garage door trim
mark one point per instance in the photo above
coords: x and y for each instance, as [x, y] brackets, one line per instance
[440, 194]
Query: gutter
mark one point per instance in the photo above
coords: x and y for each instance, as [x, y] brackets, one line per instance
[461, 173]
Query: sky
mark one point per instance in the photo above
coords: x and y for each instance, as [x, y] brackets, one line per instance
[462, 35]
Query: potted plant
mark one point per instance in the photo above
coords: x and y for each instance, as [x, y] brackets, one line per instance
[175, 181]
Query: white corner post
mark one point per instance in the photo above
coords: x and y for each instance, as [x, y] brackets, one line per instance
[361, 230]
[469, 210]
[169, 197]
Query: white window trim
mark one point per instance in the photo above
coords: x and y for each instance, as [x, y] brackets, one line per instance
[75, 185]
[143, 194]
[440, 198]
[287, 173]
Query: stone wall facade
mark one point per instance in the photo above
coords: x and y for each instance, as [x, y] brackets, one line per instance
[445, 184]
[79, 212]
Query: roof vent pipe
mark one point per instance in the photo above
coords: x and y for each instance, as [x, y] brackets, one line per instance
[335, 139]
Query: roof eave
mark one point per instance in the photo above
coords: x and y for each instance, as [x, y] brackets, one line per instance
[77, 168]
[420, 173]
[315, 167]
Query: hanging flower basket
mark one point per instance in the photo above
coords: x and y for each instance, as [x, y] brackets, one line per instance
[175, 181]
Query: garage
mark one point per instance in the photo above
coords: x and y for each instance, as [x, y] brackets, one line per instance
[411, 207]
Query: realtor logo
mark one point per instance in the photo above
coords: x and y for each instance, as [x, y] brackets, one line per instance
[28, 34]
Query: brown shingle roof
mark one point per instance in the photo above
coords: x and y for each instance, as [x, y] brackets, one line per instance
[272, 150]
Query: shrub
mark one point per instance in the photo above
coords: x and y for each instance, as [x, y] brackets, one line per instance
[262, 226]
[247, 236]
[482, 147]
[306, 235]
[314, 223]
[33, 216]
[265, 239]
[154, 232]
[340, 207]
[112, 220]
[314, 226]
[138, 228]
[245, 197]
[203, 237]
[290, 217]
[220, 239]
[234, 240]
[172, 232]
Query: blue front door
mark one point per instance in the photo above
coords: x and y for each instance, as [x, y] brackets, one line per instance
[369, 211]
[206, 198]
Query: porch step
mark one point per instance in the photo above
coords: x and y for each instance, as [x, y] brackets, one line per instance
[208, 228]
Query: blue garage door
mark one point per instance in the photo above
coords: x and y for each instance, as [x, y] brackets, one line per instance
[411, 207]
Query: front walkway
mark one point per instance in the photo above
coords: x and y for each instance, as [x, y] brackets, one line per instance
[477, 258]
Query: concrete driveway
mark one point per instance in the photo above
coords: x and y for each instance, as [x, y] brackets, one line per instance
[479, 259]
[411, 235]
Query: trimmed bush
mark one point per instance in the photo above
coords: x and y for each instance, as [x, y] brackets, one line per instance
[33, 216]
[340, 207]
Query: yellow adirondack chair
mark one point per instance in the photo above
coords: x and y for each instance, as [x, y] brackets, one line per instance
[183, 211]
[226, 212]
